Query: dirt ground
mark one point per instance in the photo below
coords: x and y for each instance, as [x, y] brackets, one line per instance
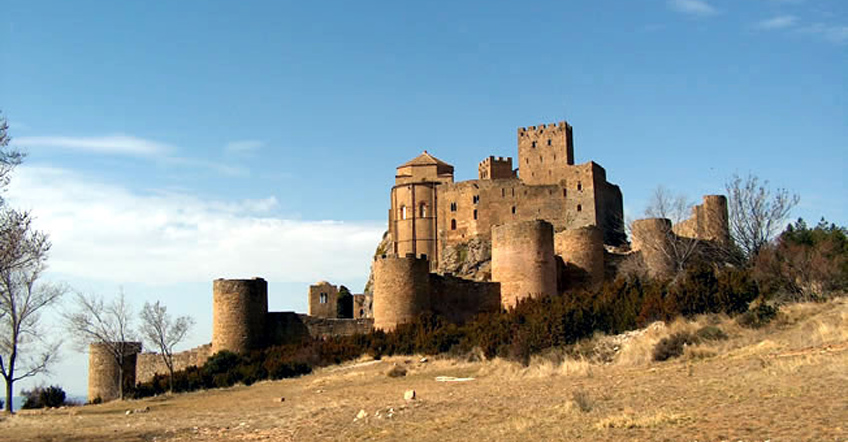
[786, 382]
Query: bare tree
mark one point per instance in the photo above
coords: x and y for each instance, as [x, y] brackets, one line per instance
[9, 158]
[24, 351]
[676, 246]
[160, 330]
[756, 212]
[107, 324]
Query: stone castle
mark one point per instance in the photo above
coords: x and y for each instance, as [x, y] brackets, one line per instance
[545, 227]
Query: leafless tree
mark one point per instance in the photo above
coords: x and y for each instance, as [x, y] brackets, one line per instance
[9, 158]
[756, 212]
[160, 330]
[24, 349]
[677, 247]
[108, 324]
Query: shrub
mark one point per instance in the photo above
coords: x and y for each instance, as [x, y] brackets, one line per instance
[582, 400]
[710, 333]
[43, 397]
[672, 346]
[396, 372]
[757, 317]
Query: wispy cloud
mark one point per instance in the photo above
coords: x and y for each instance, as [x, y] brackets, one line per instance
[244, 146]
[105, 232]
[779, 22]
[836, 34]
[699, 8]
[111, 144]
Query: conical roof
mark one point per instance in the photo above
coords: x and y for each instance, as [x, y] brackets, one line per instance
[425, 159]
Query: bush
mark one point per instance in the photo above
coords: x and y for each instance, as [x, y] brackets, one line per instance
[672, 346]
[757, 317]
[710, 333]
[396, 372]
[43, 397]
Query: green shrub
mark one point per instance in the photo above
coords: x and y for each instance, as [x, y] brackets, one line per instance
[672, 346]
[43, 397]
[757, 317]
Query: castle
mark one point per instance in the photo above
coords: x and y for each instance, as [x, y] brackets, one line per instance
[543, 228]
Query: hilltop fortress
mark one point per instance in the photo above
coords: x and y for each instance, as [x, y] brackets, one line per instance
[456, 249]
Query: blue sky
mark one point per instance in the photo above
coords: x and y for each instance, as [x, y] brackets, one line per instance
[172, 143]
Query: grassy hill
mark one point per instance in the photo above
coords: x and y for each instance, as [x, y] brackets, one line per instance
[787, 381]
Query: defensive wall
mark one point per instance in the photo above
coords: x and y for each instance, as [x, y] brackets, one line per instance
[523, 260]
[149, 364]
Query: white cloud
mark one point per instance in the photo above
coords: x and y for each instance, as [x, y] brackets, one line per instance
[244, 146]
[779, 22]
[832, 33]
[693, 7]
[111, 144]
[107, 233]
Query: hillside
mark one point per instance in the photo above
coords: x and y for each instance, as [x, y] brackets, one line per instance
[787, 381]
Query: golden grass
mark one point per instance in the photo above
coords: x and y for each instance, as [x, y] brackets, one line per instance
[654, 420]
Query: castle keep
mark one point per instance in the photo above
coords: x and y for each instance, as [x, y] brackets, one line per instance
[457, 249]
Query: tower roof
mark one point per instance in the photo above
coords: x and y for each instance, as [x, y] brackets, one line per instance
[425, 159]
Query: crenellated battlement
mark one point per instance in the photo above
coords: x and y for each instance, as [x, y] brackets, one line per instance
[540, 129]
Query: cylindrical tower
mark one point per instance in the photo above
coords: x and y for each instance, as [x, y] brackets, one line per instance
[413, 219]
[713, 220]
[523, 260]
[401, 290]
[103, 372]
[582, 250]
[239, 307]
[653, 238]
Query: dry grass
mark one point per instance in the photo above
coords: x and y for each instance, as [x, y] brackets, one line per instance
[785, 382]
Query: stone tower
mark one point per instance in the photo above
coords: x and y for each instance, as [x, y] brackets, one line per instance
[523, 260]
[582, 251]
[495, 168]
[401, 290]
[323, 300]
[544, 151]
[104, 374]
[652, 237]
[413, 221]
[239, 307]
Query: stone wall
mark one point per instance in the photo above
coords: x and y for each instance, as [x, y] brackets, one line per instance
[709, 221]
[104, 372]
[238, 314]
[523, 260]
[362, 306]
[652, 237]
[150, 364]
[459, 300]
[327, 327]
[543, 151]
[495, 168]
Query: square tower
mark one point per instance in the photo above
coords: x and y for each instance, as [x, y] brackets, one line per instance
[543, 152]
[495, 168]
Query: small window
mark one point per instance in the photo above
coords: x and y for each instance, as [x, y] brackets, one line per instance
[453, 224]
[564, 193]
[422, 210]
[579, 186]
[361, 313]
[322, 298]
[475, 213]
[534, 144]
[549, 141]
[513, 210]
[579, 208]
[475, 199]
[402, 212]
[453, 207]
[503, 193]
[513, 191]
[541, 160]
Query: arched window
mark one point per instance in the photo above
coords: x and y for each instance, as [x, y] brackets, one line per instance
[453, 224]
[422, 210]
[402, 212]
[322, 298]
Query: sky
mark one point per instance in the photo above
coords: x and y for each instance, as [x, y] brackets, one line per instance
[173, 143]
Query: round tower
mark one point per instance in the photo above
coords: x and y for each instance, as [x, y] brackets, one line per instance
[582, 250]
[401, 290]
[104, 373]
[523, 260]
[653, 238]
[239, 307]
[713, 219]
